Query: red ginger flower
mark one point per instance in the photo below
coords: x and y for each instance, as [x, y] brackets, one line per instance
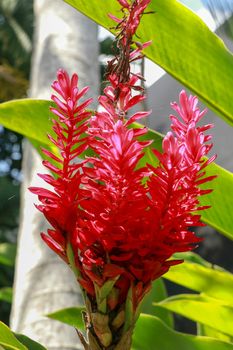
[116, 200]
[61, 208]
[121, 230]
[133, 230]
[117, 229]
[174, 184]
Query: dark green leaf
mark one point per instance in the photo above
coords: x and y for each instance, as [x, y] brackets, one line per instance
[29, 343]
[6, 294]
[7, 254]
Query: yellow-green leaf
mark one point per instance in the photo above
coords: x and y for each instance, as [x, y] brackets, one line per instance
[203, 309]
[152, 333]
[215, 283]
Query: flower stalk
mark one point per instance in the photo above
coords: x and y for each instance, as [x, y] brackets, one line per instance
[117, 225]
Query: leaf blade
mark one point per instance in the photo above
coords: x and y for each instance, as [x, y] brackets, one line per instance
[203, 279]
[200, 308]
[150, 330]
[211, 62]
[71, 316]
[8, 340]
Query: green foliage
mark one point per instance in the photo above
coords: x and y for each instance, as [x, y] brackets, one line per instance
[157, 293]
[214, 283]
[31, 118]
[201, 308]
[196, 258]
[71, 316]
[16, 29]
[183, 45]
[7, 254]
[11, 341]
[29, 343]
[8, 340]
[213, 308]
[207, 331]
[151, 332]
[7, 259]
[6, 294]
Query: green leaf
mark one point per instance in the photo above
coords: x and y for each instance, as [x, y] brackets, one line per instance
[6, 294]
[213, 333]
[187, 49]
[7, 254]
[152, 333]
[200, 308]
[31, 118]
[157, 293]
[221, 201]
[29, 343]
[8, 340]
[196, 258]
[71, 316]
[215, 283]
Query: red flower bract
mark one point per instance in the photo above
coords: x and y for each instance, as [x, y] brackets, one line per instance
[61, 208]
[139, 227]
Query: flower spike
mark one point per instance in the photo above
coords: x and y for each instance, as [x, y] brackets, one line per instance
[62, 207]
[118, 224]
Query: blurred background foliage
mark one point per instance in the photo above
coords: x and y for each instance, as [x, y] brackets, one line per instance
[16, 32]
[16, 37]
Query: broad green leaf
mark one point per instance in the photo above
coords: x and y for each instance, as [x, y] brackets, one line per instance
[207, 331]
[157, 293]
[215, 283]
[152, 333]
[220, 210]
[200, 308]
[71, 316]
[6, 294]
[29, 343]
[7, 254]
[8, 340]
[181, 44]
[31, 118]
[196, 258]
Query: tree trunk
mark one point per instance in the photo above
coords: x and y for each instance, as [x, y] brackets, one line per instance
[43, 283]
